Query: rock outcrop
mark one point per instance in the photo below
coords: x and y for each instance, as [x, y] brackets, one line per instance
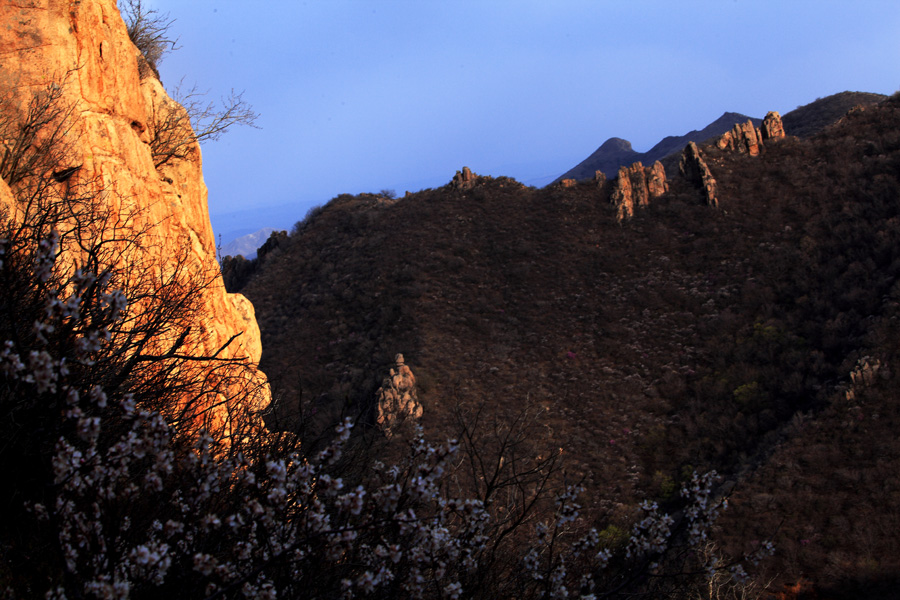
[464, 180]
[636, 186]
[743, 137]
[656, 180]
[746, 138]
[695, 170]
[84, 48]
[396, 399]
[772, 128]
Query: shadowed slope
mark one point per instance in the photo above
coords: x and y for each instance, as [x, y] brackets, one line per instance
[684, 337]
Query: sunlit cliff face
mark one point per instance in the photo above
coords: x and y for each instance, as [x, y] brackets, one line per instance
[84, 50]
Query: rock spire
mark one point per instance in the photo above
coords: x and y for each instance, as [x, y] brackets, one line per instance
[636, 186]
[695, 170]
[396, 399]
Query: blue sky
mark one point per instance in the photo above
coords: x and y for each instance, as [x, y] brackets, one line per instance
[364, 95]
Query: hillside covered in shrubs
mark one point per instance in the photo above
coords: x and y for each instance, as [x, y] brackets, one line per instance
[758, 338]
[134, 457]
[479, 391]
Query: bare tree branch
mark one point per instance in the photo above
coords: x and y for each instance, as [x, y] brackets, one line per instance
[177, 127]
[149, 31]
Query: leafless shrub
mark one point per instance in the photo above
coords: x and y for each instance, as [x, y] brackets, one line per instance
[149, 31]
[175, 130]
[36, 140]
[177, 127]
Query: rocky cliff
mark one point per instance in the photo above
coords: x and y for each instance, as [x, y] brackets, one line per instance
[84, 48]
[746, 138]
[636, 186]
[743, 138]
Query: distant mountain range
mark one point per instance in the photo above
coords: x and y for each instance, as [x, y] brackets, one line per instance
[247, 245]
[616, 152]
[805, 121]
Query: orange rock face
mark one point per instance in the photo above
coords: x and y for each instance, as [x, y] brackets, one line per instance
[746, 138]
[743, 137]
[656, 180]
[636, 186]
[622, 195]
[772, 128]
[85, 47]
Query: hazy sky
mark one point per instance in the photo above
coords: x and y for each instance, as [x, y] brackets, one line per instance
[364, 95]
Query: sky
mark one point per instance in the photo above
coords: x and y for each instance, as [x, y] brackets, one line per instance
[368, 95]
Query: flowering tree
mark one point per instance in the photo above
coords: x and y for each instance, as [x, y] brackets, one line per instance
[132, 506]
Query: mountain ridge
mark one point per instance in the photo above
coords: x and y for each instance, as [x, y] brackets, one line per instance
[804, 121]
[809, 119]
[684, 337]
[617, 152]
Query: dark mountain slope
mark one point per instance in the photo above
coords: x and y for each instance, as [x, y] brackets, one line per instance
[616, 152]
[833, 487]
[686, 337]
[809, 119]
[613, 153]
[805, 121]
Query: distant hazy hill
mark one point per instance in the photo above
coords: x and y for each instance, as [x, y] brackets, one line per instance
[616, 152]
[247, 245]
